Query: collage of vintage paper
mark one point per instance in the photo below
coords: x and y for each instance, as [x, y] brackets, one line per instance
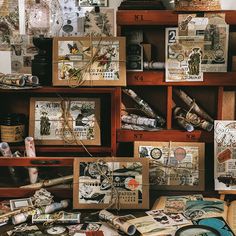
[174, 165]
[89, 61]
[68, 18]
[214, 32]
[21, 20]
[199, 44]
[67, 121]
[225, 155]
[99, 183]
[81, 21]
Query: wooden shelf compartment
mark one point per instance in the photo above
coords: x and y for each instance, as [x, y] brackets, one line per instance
[18, 102]
[208, 98]
[59, 90]
[151, 78]
[164, 135]
[156, 97]
[159, 17]
[49, 168]
[38, 161]
[64, 193]
[66, 149]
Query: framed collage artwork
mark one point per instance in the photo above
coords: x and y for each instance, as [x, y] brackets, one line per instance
[174, 165]
[98, 182]
[89, 61]
[65, 121]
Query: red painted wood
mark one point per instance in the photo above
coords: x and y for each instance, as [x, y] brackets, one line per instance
[159, 17]
[164, 135]
[150, 78]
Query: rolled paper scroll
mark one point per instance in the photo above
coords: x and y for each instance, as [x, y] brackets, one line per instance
[185, 118]
[5, 149]
[154, 65]
[6, 152]
[139, 120]
[22, 217]
[144, 107]
[13, 79]
[192, 105]
[31, 80]
[30, 152]
[51, 182]
[62, 217]
[117, 223]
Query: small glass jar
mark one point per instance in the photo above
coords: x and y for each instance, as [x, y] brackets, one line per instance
[13, 128]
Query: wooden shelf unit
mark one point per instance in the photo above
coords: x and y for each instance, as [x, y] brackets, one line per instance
[208, 94]
[158, 17]
[164, 135]
[54, 156]
[53, 162]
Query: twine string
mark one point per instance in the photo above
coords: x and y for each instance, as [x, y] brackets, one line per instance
[190, 117]
[77, 74]
[55, 217]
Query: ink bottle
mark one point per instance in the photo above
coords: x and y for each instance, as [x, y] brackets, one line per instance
[13, 128]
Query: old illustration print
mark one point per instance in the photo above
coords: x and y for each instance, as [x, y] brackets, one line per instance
[225, 155]
[174, 165]
[101, 183]
[82, 21]
[214, 32]
[65, 121]
[9, 22]
[183, 60]
[89, 61]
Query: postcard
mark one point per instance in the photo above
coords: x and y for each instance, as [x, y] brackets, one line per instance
[89, 61]
[120, 181]
[225, 155]
[60, 121]
[174, 165]
[183, 60]
[168, 219]
[148, 226]
[84, 21]
[214, 31]
[177, 204]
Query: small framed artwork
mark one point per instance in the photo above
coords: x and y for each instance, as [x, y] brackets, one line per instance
[89, 61]
[65, 121]
[174, 165]
[16, 204]
[100, 183]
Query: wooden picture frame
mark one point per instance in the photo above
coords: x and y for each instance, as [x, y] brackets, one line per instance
[89, 61]
[182, 168]
[58, 121]
[92, 191]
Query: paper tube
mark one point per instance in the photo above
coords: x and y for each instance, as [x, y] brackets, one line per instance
[144, 107]
[30, 152]
[191, 104]
[51, 182]
[117, 223]
[139, 120]
[13, 79]
[185, 118]
[22, 217]
[6, 152]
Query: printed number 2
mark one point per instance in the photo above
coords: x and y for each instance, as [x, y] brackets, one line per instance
[172, 36]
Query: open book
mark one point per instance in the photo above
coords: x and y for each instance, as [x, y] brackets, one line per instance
[194, 204]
